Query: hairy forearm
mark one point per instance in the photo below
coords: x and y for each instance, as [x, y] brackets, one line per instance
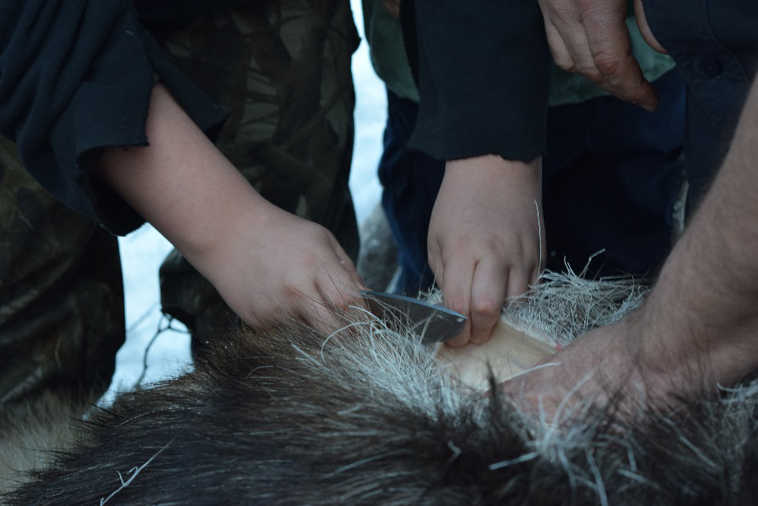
[180, 183]
[703, 311]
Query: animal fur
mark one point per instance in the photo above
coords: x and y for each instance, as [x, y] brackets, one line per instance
[367, 416]
[30, 429]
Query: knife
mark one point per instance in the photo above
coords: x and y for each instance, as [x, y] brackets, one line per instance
[432, 322]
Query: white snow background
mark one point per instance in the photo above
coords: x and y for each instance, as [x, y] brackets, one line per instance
[143, 250]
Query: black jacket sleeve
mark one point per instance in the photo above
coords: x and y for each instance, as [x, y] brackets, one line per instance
[76, 76]
[482, 70]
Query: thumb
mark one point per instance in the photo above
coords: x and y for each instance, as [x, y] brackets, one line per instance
[647, 32]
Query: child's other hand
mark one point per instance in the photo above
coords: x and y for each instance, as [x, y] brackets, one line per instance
[484, 241]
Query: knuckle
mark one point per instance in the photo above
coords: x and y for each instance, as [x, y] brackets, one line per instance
[456, 303]
[493, 243]
[251, 318]
[608, 64]
[563, 14]
[315, 231]
[291, 291]
[481, 338]
[487, 307]
[321, 233]
[309, 262]
[490, 245]
[513, 256]
[257, 315]
[529, 255]
[458, 341]
[591, 73]
[588, 9]
[342, 301]
[463, 242]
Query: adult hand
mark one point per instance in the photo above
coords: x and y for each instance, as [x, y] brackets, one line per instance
[484, 241]
[604, 364]
[667, 351]
[696, 330]
[590, 37]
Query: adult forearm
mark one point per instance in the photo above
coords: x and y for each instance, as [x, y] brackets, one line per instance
[703, 312]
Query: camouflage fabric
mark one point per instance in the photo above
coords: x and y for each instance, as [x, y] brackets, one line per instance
[283, 70]
[61, 298]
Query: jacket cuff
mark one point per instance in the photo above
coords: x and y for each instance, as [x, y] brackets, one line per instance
[483, 75]
[110, 109]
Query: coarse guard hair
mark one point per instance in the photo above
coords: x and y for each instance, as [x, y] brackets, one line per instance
[367, 415]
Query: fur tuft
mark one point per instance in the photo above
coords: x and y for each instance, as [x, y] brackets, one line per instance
[31, 430]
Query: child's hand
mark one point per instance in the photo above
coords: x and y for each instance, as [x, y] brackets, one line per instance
[266, 263]
[276, 265]
[484, 240]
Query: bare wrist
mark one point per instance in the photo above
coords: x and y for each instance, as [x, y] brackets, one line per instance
[207, 245]
[692, 340]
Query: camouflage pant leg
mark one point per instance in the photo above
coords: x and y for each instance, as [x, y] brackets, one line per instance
[61, 300]
[282, 68]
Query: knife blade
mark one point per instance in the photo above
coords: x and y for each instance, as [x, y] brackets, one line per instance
[432, 322]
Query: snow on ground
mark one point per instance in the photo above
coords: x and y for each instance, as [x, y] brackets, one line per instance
[143, 250]
[370, 116]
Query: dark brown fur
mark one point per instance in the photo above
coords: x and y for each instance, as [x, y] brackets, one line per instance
[293, 419]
